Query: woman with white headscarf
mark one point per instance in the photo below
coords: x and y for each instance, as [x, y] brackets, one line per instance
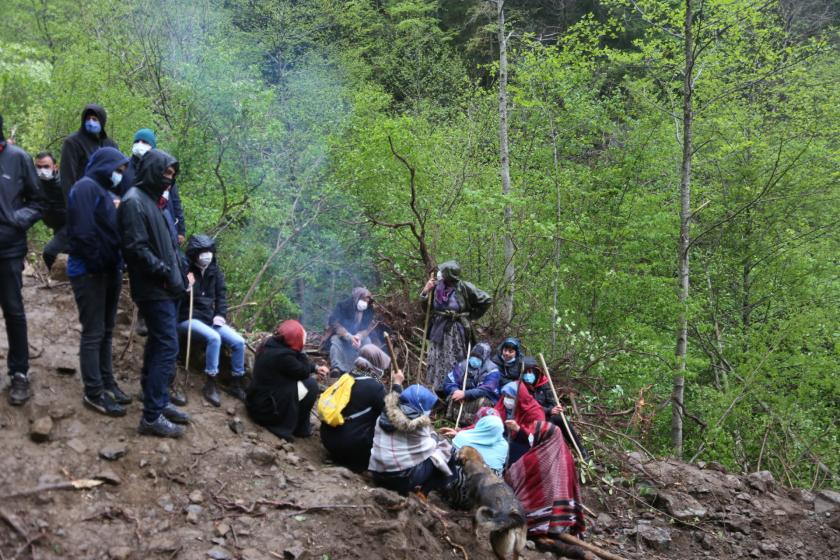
[349, 444]
[351, 322]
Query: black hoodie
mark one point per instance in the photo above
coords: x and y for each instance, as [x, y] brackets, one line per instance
[79, 146]
[147, 246]
[209, 291]
[21, 200]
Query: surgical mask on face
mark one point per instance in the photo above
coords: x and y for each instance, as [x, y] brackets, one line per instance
[116, 178]
[139, 149]
[204, 259]
[509, 402]
[475, 363]
[165, 194]
[529, 378]
[92, 126]
[45, 173]
[361, 305]
[511, 360]
[304, 338]
[439, 276]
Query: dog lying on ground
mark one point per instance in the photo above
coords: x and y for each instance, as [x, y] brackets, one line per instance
[498, 509]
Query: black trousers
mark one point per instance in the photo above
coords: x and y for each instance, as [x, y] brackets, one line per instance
[11, 300]
[97, 296]
[58, 244]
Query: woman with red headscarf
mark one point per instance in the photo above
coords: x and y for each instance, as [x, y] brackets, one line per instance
[283, 390]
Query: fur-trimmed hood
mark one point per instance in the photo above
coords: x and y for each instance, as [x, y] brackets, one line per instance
[401, 417]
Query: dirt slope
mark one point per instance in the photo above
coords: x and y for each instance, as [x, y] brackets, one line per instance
[221, 494]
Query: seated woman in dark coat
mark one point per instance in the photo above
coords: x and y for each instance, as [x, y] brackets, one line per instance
[283, 390]
[349, 444]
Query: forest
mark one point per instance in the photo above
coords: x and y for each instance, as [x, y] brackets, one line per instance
[648, 188]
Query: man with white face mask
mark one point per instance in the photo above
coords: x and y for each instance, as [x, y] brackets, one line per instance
[208, 321]
[351, 322]
[55, 207]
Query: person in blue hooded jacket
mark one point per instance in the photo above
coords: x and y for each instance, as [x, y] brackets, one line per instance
[94, 269]
[482, 383]
[509, 359]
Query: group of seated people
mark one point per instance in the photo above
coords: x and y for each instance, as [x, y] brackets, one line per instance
[388, 430]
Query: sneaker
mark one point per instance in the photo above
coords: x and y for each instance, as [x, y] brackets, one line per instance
[236, 388]
[19, 391]
[161, 427]
[174, 414]
[177, 397]
[210, 392]
[117, 394]
[104, 404]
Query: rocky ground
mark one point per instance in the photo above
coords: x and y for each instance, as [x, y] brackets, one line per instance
[231, 490]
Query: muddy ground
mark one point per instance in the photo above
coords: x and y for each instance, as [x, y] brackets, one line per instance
[225, 493]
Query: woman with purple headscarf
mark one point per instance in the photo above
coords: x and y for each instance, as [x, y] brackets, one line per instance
[455, 305]
[351, 322]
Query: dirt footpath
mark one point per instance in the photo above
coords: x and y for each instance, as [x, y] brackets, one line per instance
[231, 490]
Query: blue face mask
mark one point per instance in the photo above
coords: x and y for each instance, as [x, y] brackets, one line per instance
[92, 126]
[475, 363]
[529, 378]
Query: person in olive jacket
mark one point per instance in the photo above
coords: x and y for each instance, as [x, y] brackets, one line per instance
[157, 285]
[21, 203]
[208, 321]
[283, 390]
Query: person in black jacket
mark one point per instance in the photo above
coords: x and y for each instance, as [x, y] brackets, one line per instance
[145, 140]
[349, 444]
[21, 203]
[351, 321]
[283, 391]
[509, 359]
[157, 285]
[209, 312]
[94, 268]
[80, 145]
[55, 207]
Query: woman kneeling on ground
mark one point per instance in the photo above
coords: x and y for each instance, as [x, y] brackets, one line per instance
[283, 390]
[349, 444]
[407, 454]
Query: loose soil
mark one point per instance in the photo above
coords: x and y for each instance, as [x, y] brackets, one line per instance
[221, 494]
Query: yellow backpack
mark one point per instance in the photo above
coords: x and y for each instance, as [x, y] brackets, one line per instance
[334, 399]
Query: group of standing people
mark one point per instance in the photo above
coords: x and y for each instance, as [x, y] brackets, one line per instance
[110, 213]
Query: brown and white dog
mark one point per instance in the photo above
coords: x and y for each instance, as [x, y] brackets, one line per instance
[499, 511]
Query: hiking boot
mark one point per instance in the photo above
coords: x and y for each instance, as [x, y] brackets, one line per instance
[19, 391]
[173, 414]
[104, 404]
[236, 388]
[176, 396]
[161, 427]
[210, 392]
[117, 394]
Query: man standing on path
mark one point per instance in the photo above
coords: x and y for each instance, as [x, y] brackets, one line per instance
[20, 207]
[55, 207]
[80, 145]
[156, 285]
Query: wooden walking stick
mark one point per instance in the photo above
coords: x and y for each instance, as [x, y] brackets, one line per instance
[423, 344]
[562, 415]
[464, 384]
[189, 339]
[393, 360]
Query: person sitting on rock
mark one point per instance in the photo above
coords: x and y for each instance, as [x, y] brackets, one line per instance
[208, 322]
[351, 321]
[349, 444]
[407, 454]
[283, 390]
[482, 383]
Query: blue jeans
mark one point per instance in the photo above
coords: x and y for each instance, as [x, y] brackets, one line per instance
[159, 355]
[215, 336]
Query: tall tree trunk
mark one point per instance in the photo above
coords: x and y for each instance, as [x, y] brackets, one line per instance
[504, 157]
[678, 395]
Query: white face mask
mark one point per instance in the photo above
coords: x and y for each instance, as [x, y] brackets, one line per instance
[139, 149]
[439, 276]
[509, 402]
[45, 174]
[204, 259]
[116, 178]
[304, 338]
[361, 305]
[166, 194]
